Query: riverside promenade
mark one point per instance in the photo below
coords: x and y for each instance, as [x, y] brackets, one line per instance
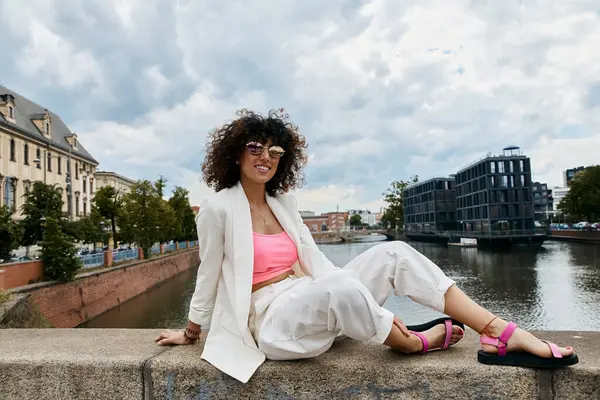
[126, 364]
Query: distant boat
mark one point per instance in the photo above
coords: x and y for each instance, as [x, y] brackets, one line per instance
[464, 242]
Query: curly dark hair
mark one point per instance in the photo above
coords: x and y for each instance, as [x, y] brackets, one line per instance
[227, 143]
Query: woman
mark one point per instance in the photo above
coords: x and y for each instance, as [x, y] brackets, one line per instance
[267, 291]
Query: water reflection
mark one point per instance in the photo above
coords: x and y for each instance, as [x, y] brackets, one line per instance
[556, 286]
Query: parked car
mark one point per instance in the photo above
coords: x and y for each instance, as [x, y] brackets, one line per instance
[20, 258]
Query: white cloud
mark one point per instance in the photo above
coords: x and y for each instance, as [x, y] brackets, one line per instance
[382, 89]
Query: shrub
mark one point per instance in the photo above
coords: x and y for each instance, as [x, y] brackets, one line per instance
[58, 254]
[4, 296]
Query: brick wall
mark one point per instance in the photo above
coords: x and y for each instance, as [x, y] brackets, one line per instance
[67, 305]
[22, 273]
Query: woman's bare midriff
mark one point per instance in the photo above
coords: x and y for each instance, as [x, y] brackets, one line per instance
[271, 281]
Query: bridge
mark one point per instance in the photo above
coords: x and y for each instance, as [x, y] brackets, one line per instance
[350, 235]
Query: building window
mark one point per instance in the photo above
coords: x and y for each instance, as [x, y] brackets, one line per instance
[84, 185]
[76, 170]
[49, 159]
[84, 208]
[26, 154]
[512, 166]
[38, 156]
[76, 205]
[10, 194]
[91, 186]
[13, 155]
[522, 180]
[47, 128]
[521, 165]
[26, 186]
[501, 167]
[493, 167]
[492, 181]
[504, 181]
[11, 112]
[59, 161]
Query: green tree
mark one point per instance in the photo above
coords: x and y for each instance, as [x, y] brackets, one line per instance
[107, 203]
[41, 202]
[89, 228]
[189, 224]
[355, 220]
[142, 219]
[160, 185]
[71, 228]
[11, 233]
[582, 201]
[185, 225]
[393, 216]
[58, 253]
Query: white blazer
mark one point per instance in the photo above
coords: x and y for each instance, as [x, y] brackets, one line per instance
[221, 299]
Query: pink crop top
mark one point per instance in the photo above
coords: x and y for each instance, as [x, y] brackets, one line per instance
[273, 255]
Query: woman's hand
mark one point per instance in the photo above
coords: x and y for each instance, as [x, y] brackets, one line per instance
[172, 337]
[398, 322]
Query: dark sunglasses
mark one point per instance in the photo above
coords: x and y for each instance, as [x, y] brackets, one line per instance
[256, 149]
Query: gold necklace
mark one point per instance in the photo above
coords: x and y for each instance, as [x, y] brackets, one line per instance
[261, 215]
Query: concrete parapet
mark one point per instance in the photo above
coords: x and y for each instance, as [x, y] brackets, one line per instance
[127, 364]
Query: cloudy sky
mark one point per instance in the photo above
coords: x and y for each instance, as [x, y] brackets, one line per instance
[382, 89]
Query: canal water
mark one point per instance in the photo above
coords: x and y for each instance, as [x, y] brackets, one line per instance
[553, 287]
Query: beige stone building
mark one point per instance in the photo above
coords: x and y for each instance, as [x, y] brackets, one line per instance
[119, 182]
[36, 145]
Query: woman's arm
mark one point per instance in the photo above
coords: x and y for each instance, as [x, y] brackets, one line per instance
[211, 238]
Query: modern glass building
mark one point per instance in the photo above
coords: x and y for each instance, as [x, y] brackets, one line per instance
[430, 206]
[542, 201]
[494, 194]
[569, 174]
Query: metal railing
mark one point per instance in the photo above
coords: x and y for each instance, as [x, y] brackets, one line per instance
[503, 233]
[169, 247]
[97, 259]
[92, 260]
[119, 256]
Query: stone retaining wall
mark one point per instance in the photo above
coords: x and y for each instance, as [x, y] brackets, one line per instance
[66, 305]
[126, 364]
[576, 236]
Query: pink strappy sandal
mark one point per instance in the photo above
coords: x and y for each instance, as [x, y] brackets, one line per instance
[521, 359]
[445, 344]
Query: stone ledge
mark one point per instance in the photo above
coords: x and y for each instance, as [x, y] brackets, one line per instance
[127, 364]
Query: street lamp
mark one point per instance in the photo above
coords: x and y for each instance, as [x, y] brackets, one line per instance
[102, 230]
[43, 225]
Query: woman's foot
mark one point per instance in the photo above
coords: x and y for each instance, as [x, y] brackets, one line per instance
[520, 341]
[435, 337]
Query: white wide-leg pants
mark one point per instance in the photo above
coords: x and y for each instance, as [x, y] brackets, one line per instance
[301, 317]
